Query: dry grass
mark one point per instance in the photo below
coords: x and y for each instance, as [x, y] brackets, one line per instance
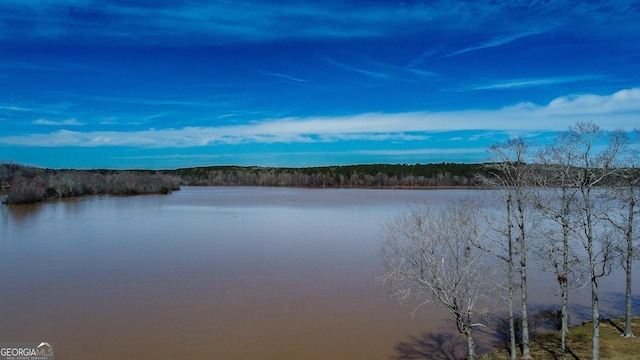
[546, 345]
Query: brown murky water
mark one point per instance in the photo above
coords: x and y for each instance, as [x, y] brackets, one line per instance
[213, 273]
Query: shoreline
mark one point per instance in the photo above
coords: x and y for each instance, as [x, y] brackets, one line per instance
[168, 191]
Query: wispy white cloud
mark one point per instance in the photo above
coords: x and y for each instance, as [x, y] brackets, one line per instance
[423, 73]
[379, 70]
[259, 20]
[159, 101]
[533, 82]
[42, 110]
[494, 42]
[284, 76]
[114, 120]
[422, 58]
[67, 122]
[228, 21]
[217, 20]
[618, 110]
[423, 151]
[14, 108]
[170, 156]
[369, 73]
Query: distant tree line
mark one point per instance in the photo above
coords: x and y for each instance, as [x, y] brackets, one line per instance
[370, 175]
[25, 184]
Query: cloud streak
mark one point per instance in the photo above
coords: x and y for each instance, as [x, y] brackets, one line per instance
[68, 122]
[368, 73]
[261, 20]
[284, 76]
[494, 42]
[220, 20]
[618, 110]
[534, 82]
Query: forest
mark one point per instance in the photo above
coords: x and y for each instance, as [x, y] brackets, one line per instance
[365, 175]
[23, 184]
[29, 184]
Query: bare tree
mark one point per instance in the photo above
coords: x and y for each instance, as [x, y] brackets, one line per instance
[591, 155]
[626, 225]
[429, 255]
[627, 193]
[500, 243]
[24, 190]
[555, 200]
[510, 172]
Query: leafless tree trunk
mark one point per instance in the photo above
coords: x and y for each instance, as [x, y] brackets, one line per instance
[627, 194]
[500, 244]
[510, 172]
[556, 201]
[510, 284]
[429, 256]
[629, 252]
[591, 169]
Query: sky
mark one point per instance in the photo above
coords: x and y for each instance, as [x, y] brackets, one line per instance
[167, 84]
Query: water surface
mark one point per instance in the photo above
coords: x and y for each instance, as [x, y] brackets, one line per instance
[213, 273]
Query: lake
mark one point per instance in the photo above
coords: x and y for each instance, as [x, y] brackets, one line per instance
[218, 273]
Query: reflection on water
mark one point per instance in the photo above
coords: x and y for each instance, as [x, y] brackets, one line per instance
[210, 273]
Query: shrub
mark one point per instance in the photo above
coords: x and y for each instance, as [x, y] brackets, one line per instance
[26, 190]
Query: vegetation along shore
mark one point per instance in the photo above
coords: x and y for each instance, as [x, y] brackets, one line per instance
[27, 184]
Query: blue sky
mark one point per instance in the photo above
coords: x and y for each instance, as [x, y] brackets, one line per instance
[171, 83]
